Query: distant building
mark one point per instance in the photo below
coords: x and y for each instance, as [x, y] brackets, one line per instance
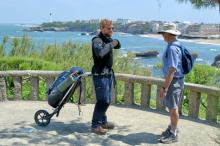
[84, 21]
[155, 27]
[94, 21]
[182, 26]
[210, 29]
[123, 21]
[193, 29]
[203, 29]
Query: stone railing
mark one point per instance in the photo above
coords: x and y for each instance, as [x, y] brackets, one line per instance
[130, 81]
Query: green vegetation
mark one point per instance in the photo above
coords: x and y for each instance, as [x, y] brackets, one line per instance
[23, 56]
[24, 63]
[205, 75]
[73, 26]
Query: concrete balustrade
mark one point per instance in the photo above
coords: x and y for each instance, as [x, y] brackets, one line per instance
[146, 84]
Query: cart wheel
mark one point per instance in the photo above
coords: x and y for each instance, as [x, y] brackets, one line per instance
[42, 118]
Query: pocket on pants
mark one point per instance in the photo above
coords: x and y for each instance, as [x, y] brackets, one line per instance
[100, 93]
[99, 87]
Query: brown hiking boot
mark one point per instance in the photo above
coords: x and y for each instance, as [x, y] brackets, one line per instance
[108, 125]
[99, 130]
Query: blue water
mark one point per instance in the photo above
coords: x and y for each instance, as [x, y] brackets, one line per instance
[130, 43]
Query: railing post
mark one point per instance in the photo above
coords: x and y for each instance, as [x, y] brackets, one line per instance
[3, 89]
[145, 95]
[114, 93]
[83, 92]
[34, 81]
[159, 105]
[17, 88]
[129, 93]
[194, 102]
[211, 111]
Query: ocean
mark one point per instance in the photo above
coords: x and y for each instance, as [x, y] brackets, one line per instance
[130, 43]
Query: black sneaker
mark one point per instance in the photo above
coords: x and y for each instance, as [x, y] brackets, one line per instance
[169, 138]
[165, 133]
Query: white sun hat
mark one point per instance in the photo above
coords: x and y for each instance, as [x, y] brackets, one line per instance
[170, 28]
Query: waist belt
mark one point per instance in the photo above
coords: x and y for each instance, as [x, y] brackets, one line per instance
[111, 72]
[102, 74]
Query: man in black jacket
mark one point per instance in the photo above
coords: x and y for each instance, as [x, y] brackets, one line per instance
[103, 75]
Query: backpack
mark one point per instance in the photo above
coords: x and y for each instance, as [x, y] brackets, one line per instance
[187, 59]
[62, 84]
[65, 77]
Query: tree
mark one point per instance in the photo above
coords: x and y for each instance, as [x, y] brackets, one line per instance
[202, 3]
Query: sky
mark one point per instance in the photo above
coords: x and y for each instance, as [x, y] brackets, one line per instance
[38, 11]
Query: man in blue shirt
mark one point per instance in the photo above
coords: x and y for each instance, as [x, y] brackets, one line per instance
[172, 89]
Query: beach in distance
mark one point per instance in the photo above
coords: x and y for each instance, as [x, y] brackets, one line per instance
[198, 41]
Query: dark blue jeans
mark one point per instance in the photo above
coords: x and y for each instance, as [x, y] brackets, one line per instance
[103, 87]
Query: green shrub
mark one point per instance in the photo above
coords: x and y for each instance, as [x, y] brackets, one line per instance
[24, 63]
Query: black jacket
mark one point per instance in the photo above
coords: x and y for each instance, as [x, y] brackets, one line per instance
[102, 53]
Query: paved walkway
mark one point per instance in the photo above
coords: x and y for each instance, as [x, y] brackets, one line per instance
[133, 127]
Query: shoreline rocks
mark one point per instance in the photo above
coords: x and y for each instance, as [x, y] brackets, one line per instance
[147, 54]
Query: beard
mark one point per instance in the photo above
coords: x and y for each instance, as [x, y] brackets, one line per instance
[108, 35]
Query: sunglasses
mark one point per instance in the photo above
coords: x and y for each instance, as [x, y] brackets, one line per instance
[110, 28]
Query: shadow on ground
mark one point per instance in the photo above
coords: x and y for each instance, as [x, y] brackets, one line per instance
[136, 138]
[72, 133]
[137, 107]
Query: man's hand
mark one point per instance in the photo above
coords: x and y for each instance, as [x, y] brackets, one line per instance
[115, 43]
[163, 93]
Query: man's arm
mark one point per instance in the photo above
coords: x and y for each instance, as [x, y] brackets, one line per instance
[100, 48]
[167, 82]
[169, 77]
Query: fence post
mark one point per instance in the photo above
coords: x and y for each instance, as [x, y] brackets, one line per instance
[211, 111]
[194, 102]
[145, 95]
[129, 93]
[34, 81]
[17, 87]
[3, 89]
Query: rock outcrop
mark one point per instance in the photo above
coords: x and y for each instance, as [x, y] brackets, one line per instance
[147, 54]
